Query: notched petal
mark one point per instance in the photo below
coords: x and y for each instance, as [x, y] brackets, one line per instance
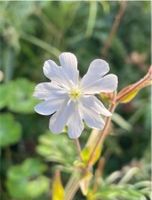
[68, 60]
[69, 63]
[49, 68]
[109, 83]
[99, 67]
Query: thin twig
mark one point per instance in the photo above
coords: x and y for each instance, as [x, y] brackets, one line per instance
[78, 147]
[115, 26]
[102, 135]
[134, 86]
[72, 188]
[74, 184]
[98, 173]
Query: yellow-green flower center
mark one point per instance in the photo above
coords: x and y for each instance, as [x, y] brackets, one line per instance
[75, 93]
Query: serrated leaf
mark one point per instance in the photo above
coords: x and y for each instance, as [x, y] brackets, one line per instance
[20, 96]
[25, 181]
[57, 188]
[54, 148]
[126, 192]
[10, 130]
[38, 186]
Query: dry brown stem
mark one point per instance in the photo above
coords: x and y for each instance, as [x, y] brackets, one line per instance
[115, 26]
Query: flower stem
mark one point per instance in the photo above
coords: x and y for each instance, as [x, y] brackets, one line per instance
[73, 184]
[114, 29]
[98, 173]
[78, 147]
[140, 84]
[102, 134]
[72, 187]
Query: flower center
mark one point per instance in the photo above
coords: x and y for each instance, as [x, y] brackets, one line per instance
[75, 93]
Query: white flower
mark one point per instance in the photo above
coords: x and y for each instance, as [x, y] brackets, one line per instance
[70, 100]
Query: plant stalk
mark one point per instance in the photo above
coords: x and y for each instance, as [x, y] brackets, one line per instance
[73, 184]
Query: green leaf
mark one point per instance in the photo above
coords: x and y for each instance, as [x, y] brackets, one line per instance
[3, 95]
[55, 147]
[20, 96]
[10, 130]
[26, 181]
[126, 192]
[118, 119]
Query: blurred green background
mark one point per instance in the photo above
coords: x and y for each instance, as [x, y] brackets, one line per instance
[34, 31]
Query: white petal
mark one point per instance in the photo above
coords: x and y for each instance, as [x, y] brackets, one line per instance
[75, 124]
[93, 103]
[92, 119]
[55, 73]
[90, 114]
[101, 109]
[60, 118]
[106, 84]
[49, 67]
[97, 69]
[69, 63]
[48, 107]
[48, 90]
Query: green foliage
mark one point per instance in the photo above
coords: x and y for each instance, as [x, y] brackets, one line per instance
[123, 184]
[18, 96]
[25, 181]
[116, 192]
[52, 149]
[32, 32]
[21, 100]
[10, 130]
[4, 94]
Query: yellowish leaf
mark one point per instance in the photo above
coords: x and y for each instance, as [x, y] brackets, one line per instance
[128, 96]
[91, 195]
[88, 149]
[57, 187]
[129, 92]
[86, 153]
